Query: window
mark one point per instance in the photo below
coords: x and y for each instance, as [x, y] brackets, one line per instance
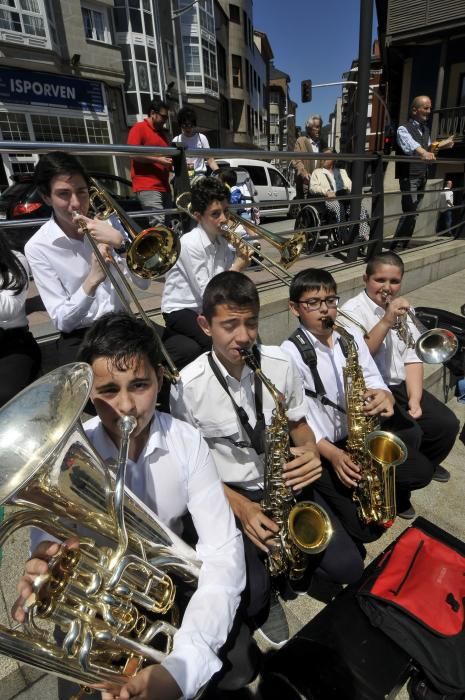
[276, 178]
[234, 13]
[258, 175]
[461, 95]
[46, 128]
[169, 55]
[224, 112]
[13, 127]
[247, 75]
[221, 57]
[25, 17]
[236, 70]
[95, 24]
[246, 28]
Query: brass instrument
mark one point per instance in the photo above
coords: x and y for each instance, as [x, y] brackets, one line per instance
[304, 527]
[434, 346]
[375, 451]
[290, 249]
[114, 603]
[151, 253]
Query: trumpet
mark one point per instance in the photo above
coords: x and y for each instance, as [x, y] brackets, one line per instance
[434, 346]
[151, 253]
[289, 250]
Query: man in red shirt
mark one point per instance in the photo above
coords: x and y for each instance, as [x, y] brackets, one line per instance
[150, 174]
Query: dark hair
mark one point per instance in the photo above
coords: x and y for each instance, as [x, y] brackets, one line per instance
[388, 258]
[13, 276]
[311, 279]
[232, 289]
[120, 337]
[155, 106]
[206, 191]
[186, 114]
[56, 163]
[229, 176]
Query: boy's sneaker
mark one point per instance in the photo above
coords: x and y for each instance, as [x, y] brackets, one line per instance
[440, 474]
[275, 629]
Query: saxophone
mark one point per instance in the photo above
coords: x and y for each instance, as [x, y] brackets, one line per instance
[376, 451]
[304, 528]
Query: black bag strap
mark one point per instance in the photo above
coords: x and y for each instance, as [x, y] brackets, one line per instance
[255, 434]
[306, 349]
[330, 183]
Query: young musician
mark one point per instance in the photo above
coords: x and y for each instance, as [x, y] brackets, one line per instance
[73, 287]
[219, 394]
[314, 301]
[380, 309]
[204, 253]
[171, 471]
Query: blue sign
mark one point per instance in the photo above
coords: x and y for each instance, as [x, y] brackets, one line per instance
[29, 87]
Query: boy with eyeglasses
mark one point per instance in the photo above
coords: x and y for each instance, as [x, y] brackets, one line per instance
[314, 301]
[151, 174]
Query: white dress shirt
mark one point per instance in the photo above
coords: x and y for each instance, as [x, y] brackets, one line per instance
[327, 422]
[199, 399]
[201, 259]
[393, 353]
[60, 265]
[176, 473]
[12, 305]
[198, 165]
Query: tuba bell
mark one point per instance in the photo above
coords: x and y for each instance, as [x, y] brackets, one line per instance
[115, 603]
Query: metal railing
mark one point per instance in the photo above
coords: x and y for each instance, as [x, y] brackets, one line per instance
[376, 163]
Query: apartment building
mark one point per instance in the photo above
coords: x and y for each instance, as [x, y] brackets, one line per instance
[282, 112]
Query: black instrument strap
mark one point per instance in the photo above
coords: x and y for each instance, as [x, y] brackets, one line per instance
[306, 349]
[255, 434]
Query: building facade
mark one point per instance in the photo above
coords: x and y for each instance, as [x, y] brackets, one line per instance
[61, 77]
[282, 112]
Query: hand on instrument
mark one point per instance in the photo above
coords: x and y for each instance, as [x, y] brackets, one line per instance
[304, 469]
[257, 526]
[96, 274]
[347, 471]
[36, 566]
[378, 402]
[414, 408]
[243, 254]
[152, 682]
[102, 231]
[396, 309]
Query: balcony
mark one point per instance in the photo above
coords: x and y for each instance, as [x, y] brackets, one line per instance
[451, 122]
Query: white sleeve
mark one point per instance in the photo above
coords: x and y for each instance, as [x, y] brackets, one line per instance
[66, 312]
[210, 613]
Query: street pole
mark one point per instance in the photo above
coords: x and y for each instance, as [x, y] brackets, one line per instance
[361, 113]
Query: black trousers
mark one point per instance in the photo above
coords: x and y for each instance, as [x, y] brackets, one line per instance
[437, 427]
[20, 360]
[68, 345]
[340, 562]
[184, 337]
[412, 194]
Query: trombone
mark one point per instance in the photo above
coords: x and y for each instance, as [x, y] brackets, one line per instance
[289, 249]
[151, 253]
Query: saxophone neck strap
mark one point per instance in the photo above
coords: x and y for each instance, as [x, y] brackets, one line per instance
[309, 356]
[255, 434]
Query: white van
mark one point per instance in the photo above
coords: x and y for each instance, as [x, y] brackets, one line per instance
[270, 184]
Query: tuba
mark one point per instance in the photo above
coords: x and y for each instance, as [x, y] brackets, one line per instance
[304, 527]
[377, 452]
[115, 604]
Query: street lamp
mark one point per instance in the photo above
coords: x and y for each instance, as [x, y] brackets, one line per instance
[175, 13]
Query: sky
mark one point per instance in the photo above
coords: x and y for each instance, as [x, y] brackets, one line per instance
[314, 40]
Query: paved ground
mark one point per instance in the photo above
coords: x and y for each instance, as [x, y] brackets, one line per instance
[440, 503]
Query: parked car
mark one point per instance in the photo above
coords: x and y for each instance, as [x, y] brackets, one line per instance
[22, 202]
[270, 184]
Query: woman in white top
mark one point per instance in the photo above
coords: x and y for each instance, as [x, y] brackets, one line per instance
[187, 121]
[330, 181]
[19, 352]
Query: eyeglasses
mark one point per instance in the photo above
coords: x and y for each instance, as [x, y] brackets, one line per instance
[315, 304]
[163, 116]
[187, 125]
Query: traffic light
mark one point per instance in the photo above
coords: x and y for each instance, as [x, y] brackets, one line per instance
[388, 144]
[306, 87]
